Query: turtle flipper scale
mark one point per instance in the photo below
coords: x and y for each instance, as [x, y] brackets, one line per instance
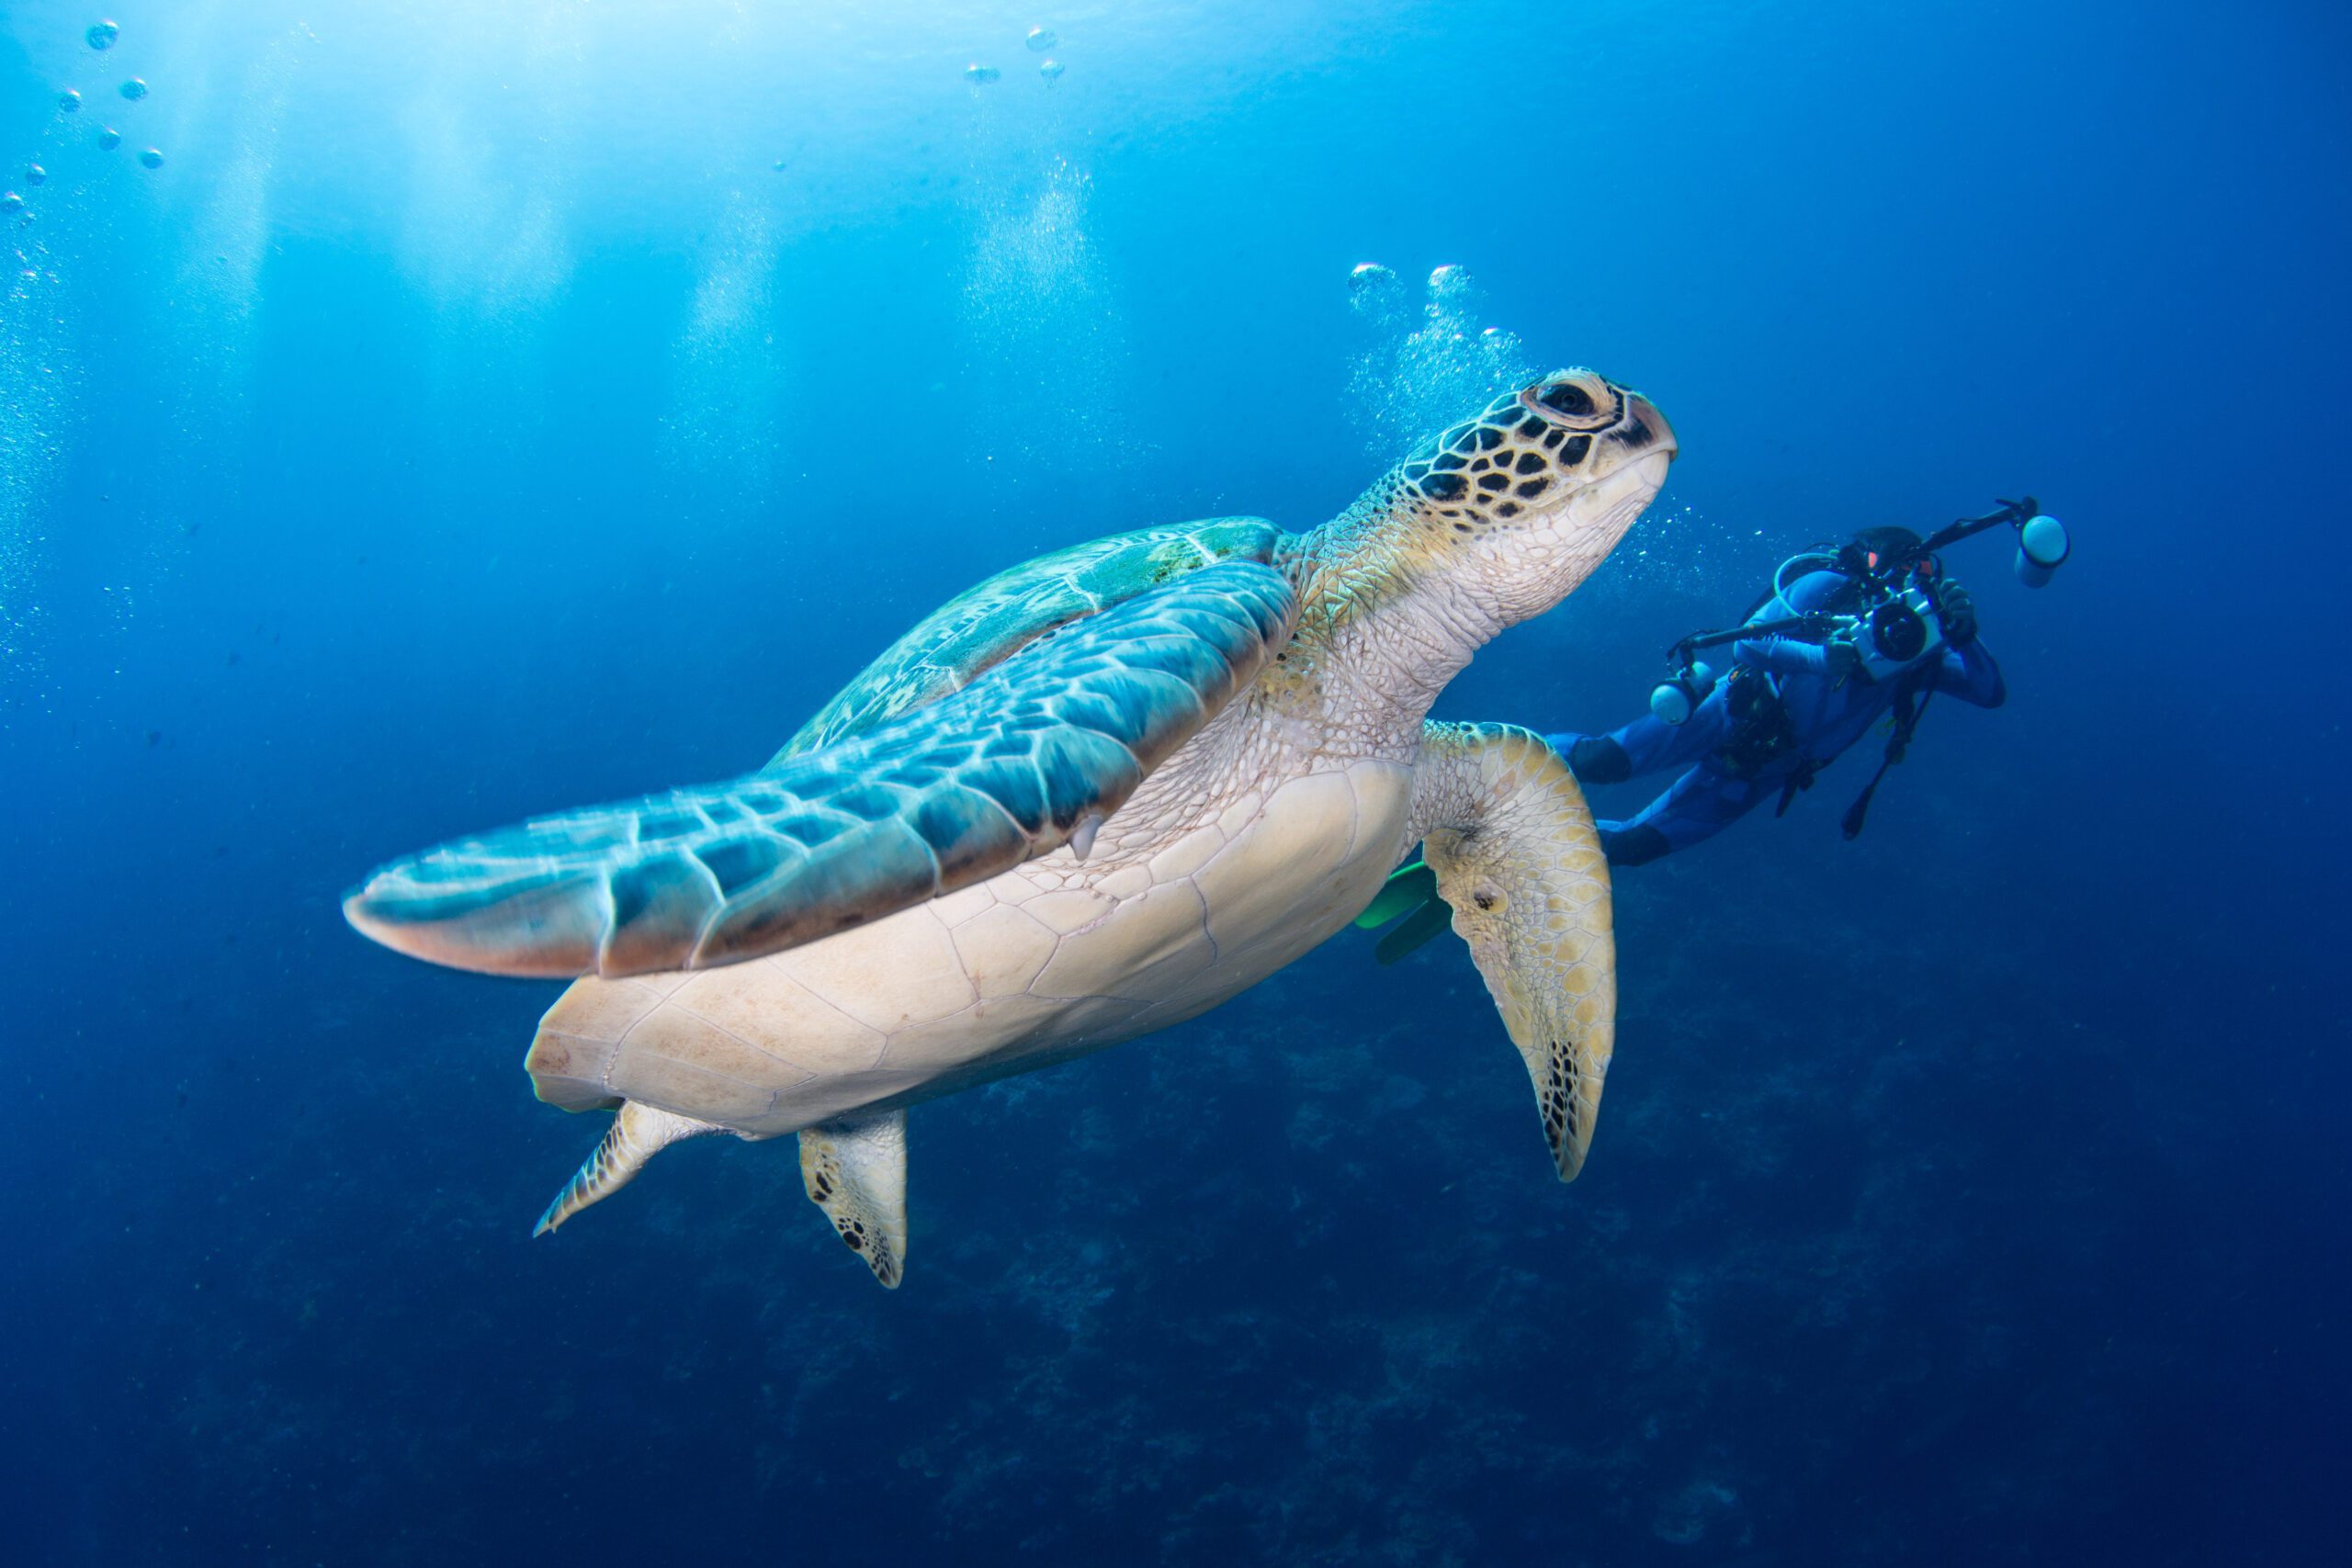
[971, 786]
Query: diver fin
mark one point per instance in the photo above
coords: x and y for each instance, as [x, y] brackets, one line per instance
[1416, 931]
[855, 1169]
[638, 1132]
[1410, 899]
[1407, 888]
[1518, 858]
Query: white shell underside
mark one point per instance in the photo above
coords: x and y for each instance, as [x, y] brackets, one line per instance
[1049, 962]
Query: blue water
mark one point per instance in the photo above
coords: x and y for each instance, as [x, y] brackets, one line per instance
[485, 409]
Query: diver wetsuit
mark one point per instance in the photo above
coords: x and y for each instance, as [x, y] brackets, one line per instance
[1786, 710]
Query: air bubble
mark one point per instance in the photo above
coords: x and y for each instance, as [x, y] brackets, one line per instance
[1376, 296]
[1051, 70]
[35, 173]
[69, 101]
[976, 73]
[153, 158]
[101, 35]
[11, 202]
[134, 89]
[1042, 40]
[109, 139]
[1417, 378]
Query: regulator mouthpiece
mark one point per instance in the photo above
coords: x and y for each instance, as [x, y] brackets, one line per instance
[1676, 698]
[2043, 549]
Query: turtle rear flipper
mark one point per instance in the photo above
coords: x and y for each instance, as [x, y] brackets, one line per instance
[1011, 767]
[855, 1169]
[638, 1133]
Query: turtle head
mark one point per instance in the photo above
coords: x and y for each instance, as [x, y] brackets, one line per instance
[1517, 505]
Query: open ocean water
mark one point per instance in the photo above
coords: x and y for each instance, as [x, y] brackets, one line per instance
[485, 408]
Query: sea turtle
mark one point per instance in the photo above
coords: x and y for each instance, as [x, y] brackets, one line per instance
[1089, 798]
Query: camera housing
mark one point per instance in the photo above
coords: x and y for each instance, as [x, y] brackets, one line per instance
[1896, 633]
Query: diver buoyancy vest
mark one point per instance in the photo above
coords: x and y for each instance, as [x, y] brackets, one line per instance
[1761, 730]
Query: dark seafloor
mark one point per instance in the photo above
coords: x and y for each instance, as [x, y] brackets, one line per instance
[486, 409]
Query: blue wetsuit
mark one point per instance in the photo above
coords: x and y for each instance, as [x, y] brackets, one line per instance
[1733, 766]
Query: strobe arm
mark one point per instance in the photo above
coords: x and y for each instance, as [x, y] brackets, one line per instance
[2012, 511]
[1813, 625]
[1676, 698]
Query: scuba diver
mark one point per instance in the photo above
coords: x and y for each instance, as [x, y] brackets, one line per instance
[1845, 636]
[1793, 698]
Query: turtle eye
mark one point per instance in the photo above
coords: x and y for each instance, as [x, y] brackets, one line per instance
[1578, 400]
[1569, 398]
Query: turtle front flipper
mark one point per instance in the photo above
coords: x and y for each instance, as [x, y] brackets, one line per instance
[1512, 843]
[1033, 754]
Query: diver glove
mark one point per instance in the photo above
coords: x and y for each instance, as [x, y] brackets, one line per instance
[1593, 758]
[1957, 612]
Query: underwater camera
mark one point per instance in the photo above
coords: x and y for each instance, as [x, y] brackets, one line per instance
[1894, 621]
[1895, 632]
